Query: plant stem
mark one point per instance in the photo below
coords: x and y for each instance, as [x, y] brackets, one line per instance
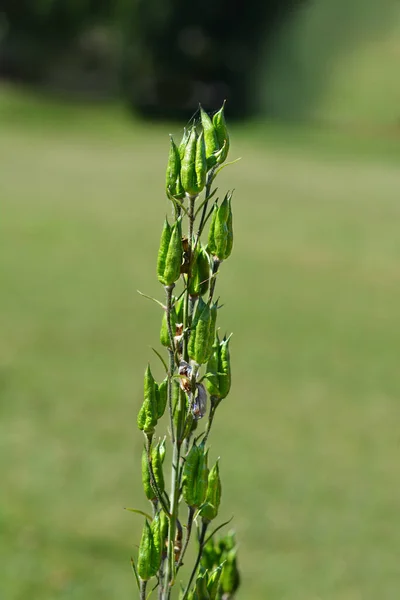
[171, 366]
[200, 552]
[210, 418]
[210, 178]
[153, 479]
[186, 308]
[188, 534]
[215, 267]
[143, 586]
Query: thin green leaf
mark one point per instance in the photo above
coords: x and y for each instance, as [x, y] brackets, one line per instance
[140, 512]
[232, 162]
[135, 573]
[217, 529]
[151, 298]
[207, 199]
[161, 358]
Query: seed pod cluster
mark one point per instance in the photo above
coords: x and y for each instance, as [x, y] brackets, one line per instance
[195, 476]
[170, 253]
[218, 382]
[220, 236]
[222, 556]
[202, 332]
[202, 148]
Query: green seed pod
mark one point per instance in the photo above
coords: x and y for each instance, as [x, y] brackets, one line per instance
[148, 490]
[188, 165]
[222, 133]
[173, 259]
[162, 450]
[184, 141]
[224, 368]
[179, 309]
[210, 556]
[198, 346]
[230, 578]
[147, 417]
[164, 523]
[213, 322]
[156, 463]
[164, 334]
[209, 510]
[200, 590]
[157, 539]
[149, 558]
[213, 585]
[212, 381]
[200, 279]
[210, 139]
[221, 229]
[229, 224]
[211, 247]
[173, 180]
[195, 476]
[161, 395]
[201, 163]
[163, 250]
[220, 236]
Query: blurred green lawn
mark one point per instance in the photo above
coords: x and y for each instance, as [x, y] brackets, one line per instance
[309, 436]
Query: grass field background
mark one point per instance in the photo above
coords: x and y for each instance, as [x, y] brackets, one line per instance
[309, 436]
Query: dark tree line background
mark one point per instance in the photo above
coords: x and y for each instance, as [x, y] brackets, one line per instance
[162, 56]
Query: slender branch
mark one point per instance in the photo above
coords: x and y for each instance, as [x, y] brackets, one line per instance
[210, 418]
[200, 552]
[215, 267]
[188, 535]
[210, 178]
[174, 501]
[143, 586]
[153, 479]
[171, 366]
[161, 578]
